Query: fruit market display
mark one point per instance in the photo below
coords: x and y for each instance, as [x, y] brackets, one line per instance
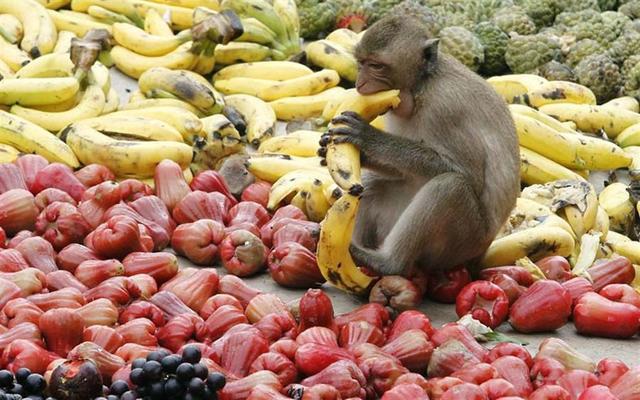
[102, 200]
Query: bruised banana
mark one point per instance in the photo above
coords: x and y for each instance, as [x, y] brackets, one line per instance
[8, 154]
[221, 140]
[262, 10]
[559, 92]
[134, 64]
[294, 182]
[634, 167]
[534, 243]
[626, 103]
[37, 91]
[582, 220]
[133, 128]
[29, 138]
[569, 150]
[187, 123]
[255, 31]
[141, 42]
[616, 201]
[541, 117]
[299, 143]
[343, 160]
[326, 54]
[271, 167]
[317, 204]
[303, 86]
[346, 38]
[590, 118]
[154, 24]
[76, 22]
[259, 116]
[124, 157]
[535, 169]
[240, 52]
[147, 103]
[305, 107]
[268, 70]
[514, 87]
[180, 17]
[40, 33]
[13, 56]
[91, 105]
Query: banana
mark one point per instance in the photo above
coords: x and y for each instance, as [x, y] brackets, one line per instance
[219, 125]
[346, 38]
[378, 123]
[262, 10]
[187, 123]
[30, 138]
[259, 116]
[629, 136]
[572, 151]
[112, 102]
[212, 4]
[221, 140]
[240, 52]
[76, 23]
[625, 102]
[299, 143]
[267, 70]
[11, 28]
[133, 128]
[63, 45]
[616, 201]
[12, 55]
[582, 218]
[91, 105]
[602, 223]
[589, 118]
[559, 92]
[107, 16]
[147, 103]
[206, 61]
[287, 10]
[181, 17]
[544, 118]
[256, 32]
[8, 154]
[534, 243]
[331, 108]
[62, 106]
[154, 24]
[5, 71]
[48, 66]
[123, 157]
[182, 85]
[332, 254]
[343, 160]
[40, 33]
[535, 169]
[134, 64]
[143, 43]
[317, 204]
[54, 4]
[271, 167]
[514, 87]
[303, 86]
[304, 107]
[326, 54]
[294, 182]
[248, 86]
[629, 249]
[136, 95]
[634, 167]
[37, 91]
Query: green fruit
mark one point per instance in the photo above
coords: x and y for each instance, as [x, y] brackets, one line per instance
[625, 46]
[526, 54]
[597, 31]
[607, 5]
[629, 64]
[631, 9]
[463, 45]
[632, 82]
[542, 12]
[570, 19]
[514, 19]
[600, 74]
[316, 18]
[578, 5]
[379, 8]
[555, 71]
[615, 20]
[423, 13]
[582, 49]
[494, 41]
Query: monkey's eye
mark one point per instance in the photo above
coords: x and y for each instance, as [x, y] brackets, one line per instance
[376, 66]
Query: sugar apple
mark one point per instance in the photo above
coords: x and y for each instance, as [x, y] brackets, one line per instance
[514, 19]
[495, 42]
[631, 9]
[423, 13]
[600, 74]
[631, 85]
[583, 49]
[462, 45]
[379, 8]
[542, 12]
[569, 19]
[555, 71]
[624, 46]
[597, 31]
[616, 21]
[483, 10]
[316, 18]
[526, 53]
[607, 5]
[629, 64]
[578, 5]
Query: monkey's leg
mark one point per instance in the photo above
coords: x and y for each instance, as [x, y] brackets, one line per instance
[442, 227]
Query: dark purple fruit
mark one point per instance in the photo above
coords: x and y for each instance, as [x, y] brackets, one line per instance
[6, 379]
[35, 383]
[191, 355]
[196, 386]
[201, 371]
[185, 372]
[118, 388]
[137, 377]
[76, 380]
[22, 374]
[138, 363]
[170, 363]
[216, 381]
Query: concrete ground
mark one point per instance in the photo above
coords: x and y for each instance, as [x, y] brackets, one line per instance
[597, 348]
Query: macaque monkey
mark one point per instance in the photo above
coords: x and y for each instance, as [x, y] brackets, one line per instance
[440, 183]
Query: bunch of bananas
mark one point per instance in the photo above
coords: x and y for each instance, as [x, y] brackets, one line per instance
[336, 52]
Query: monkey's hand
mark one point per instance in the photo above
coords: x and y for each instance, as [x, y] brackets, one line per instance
[349, 127]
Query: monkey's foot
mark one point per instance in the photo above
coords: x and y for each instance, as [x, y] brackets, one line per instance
[374, 260]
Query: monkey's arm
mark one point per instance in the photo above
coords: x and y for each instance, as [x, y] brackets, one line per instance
[381, 150]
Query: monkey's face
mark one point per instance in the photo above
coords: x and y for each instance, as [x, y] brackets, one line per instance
[373, 76]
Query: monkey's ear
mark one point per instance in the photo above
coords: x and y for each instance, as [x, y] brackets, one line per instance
[430, 52]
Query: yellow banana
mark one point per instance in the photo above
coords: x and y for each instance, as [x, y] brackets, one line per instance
[212, 4]
[560, 92]
[535, 169]
[181, 17]
[63, 45]
[534, 243]
[634, 167]
[8, 154]
[136, 96]
[12, 55]
[248, 86]
[107, 16]
[262, 10]
[299, 143]
[30, 138]
[303, 86]
[37, 91]
[332, 193]
[346, 38]
[629, 249]
[60, 107]
[317, 205]
[146, 44]
[133, 128]
[626, 102]
[11, 28]
[112, 102]
[541, 117]
[569, 150]
[123, 157]
[271, 167]
[287, 10]
[221, 140]
[267, 70]
[48, 66]
[629, 136]
[305, 107]
[259, 116]
[147, 103]
[331, 108]
[602, 223]
[582, 220]
[76, 23]
[295, 182]
[240, 52]
[326, 54]
[134, 64]
[514, 87]
[90, 105]
[378, 123]
[5, 71]
[187, 123]
[616, 201]
[589, 118]
[40, 32]
[154, 24]
[343, 160]
[54, 4]
[204, 64]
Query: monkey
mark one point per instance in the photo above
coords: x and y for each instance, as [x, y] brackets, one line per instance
[442, 180]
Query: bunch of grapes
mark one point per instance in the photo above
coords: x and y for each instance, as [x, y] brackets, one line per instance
[163, 375]
[24, 385]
